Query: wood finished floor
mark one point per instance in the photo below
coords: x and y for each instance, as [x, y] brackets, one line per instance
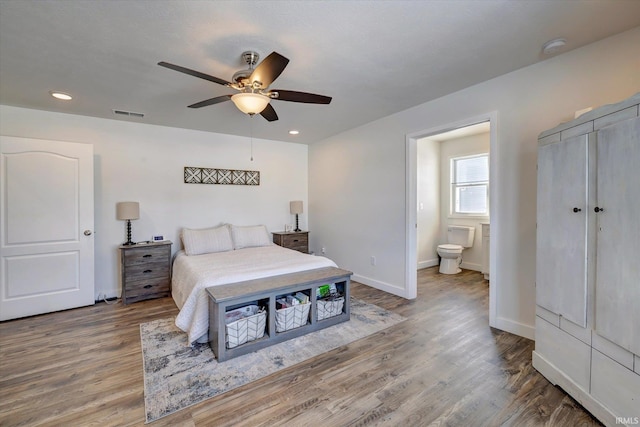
[443, 366]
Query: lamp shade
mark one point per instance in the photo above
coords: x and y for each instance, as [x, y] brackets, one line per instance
[295, 207]
[250, 103]
[128, 210]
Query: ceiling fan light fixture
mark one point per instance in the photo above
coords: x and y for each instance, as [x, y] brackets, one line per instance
[250, 103]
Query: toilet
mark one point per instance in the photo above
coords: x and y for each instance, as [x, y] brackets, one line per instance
[458, 238]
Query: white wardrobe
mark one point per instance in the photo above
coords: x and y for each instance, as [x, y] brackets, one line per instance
[588, 260]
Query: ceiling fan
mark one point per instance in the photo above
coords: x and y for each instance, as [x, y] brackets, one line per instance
[252, 84]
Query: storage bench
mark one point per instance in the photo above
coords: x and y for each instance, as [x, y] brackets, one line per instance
[264, 292]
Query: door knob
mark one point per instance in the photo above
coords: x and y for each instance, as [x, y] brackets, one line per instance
[598, 209]
[577, 209]
[87, 232]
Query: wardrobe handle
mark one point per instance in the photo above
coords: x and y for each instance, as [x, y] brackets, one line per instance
[598, 209]
[577, 210]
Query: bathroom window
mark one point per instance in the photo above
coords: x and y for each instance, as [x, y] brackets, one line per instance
[470, 185]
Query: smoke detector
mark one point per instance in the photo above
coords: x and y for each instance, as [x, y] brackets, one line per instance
[554, 46]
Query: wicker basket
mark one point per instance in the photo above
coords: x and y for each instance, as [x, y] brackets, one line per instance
[246, 329]
[292, 317]
[330, 308]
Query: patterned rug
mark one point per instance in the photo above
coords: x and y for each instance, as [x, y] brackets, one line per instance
[177, 376]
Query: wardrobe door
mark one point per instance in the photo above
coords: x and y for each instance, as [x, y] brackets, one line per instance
[618, 248]
[561, 282]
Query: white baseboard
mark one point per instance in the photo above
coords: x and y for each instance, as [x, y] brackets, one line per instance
[427, 263]
[387, 287]
[515, 328]
[110, 294]
[556, 377]
[433, 262]
[471, 266]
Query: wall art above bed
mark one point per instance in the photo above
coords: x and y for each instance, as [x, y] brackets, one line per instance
[193, 175]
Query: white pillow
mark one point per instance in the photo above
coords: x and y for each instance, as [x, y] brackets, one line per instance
[250, 236]
[207, 240]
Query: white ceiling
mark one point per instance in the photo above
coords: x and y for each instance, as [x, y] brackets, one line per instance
[375, 58]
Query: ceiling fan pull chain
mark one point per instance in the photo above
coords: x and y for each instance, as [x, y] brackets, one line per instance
[251, 133]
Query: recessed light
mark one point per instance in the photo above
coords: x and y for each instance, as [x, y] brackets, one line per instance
[61, 95]
[294, 132]
[553, 46]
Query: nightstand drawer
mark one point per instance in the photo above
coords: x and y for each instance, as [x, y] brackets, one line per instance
[156, 284]
[300, 248]
[146, 271]
[298, 241]
[292, 240]
[143, 255]
[146, 289]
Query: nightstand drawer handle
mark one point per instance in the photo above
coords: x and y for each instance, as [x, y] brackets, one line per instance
[147, 256]
[295, 240]
[148, 286]
[147, 271]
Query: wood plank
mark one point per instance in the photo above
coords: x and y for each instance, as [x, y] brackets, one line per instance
[276, 283]
[444, 365]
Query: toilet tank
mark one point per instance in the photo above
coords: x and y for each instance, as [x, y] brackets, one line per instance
[461, 235]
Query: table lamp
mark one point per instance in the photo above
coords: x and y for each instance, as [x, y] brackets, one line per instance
[127, 211]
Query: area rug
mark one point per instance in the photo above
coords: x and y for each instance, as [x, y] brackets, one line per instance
[177, 376]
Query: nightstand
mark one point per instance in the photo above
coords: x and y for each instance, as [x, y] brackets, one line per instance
[146, 271]
[296, 240]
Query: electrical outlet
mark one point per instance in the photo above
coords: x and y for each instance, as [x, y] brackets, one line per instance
[373, 260]
[323, 250]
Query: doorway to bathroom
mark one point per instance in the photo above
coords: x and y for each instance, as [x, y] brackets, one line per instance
[450, 183]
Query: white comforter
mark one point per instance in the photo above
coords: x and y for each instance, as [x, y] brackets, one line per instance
[193, 274]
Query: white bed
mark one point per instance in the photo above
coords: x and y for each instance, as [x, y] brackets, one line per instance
[192, 274]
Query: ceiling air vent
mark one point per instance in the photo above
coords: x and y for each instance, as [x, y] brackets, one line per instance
[127, 113]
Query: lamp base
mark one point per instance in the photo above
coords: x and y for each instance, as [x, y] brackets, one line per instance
[297, 226]
[128, 230]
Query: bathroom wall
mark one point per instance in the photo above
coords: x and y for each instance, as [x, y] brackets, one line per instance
[464, 146]
[428, 188]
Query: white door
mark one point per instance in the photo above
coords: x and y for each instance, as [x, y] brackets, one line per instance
[618, 259]
[46, 235]
[561, 264]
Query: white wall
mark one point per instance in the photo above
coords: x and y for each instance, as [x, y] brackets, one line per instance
[145, 163]
[428, 198]
[357, 178]
[460, 147]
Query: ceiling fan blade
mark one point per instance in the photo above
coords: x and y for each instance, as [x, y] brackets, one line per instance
[269, 69]
[216, 100]
[194, 73]
[307, 98]
[269, 113]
